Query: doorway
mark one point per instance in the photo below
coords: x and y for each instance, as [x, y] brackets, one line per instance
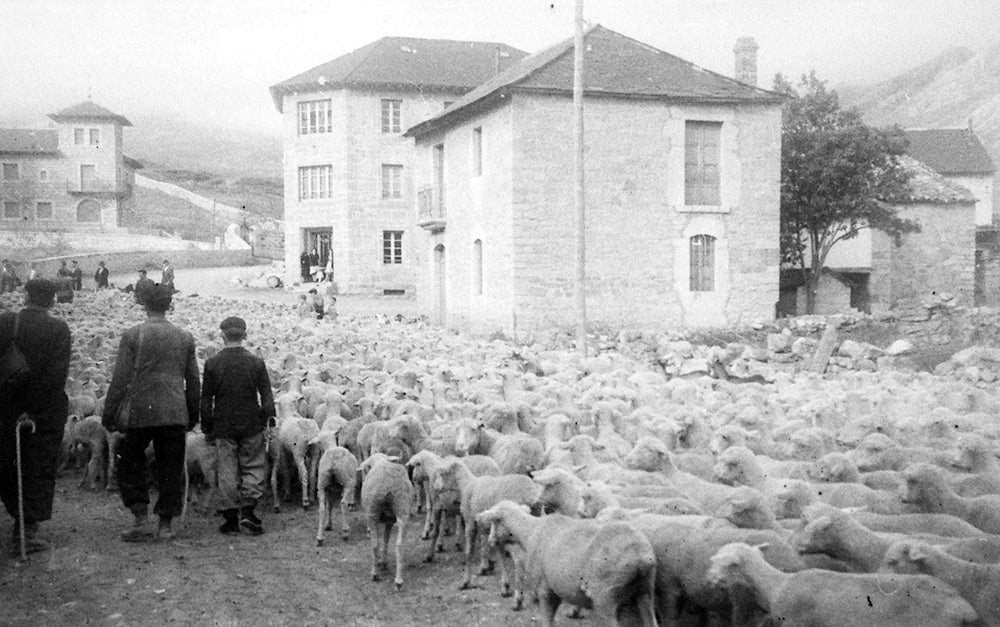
[440, 285]
[320, 240]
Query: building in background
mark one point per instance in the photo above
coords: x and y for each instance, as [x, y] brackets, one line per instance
[348, 169]
[682, 178]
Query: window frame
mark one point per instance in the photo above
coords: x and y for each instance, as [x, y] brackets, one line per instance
[392, 247]
[392, 116]
[52, 212]
[94, 136]
[14, 203]
[309, 114]
[79, 137]
[392, 173]
[702, 251]
[703, 163]
[17, 171]
[315, 175]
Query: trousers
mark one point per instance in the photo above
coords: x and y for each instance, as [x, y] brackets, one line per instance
[133, 483]
[242, 470]
[39, 461]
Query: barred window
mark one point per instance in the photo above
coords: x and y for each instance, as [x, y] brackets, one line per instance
[79, 136]
[95, 136]
[43, 210]
[701, 162]
[314, 117]
[392, 247]
[702, 249]
[392, 116]
[315, 182]
[392, 180]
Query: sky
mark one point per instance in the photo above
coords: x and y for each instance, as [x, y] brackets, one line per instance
[211, 61]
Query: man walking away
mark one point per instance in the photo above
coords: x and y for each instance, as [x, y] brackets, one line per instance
[142, 287]
[101, 276]
[159, 360]
[236, 403]
[45, 342]
[167, 278]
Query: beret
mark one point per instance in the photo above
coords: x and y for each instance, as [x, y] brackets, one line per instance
[233, 322]
[41, 287]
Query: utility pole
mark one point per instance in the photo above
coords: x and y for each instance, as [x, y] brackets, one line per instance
[578, 181]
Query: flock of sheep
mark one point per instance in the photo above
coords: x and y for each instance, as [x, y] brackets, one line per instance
[861, 499]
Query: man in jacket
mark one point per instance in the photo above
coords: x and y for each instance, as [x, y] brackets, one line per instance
[142, 287]
[76, 273]
[236, 404]
[101, 275]
[167, 278]
[157, 369]
[45, 342]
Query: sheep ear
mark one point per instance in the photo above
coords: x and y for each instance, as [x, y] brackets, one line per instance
[313, 441]
[916, 552]
[761, 546]
[394, 458]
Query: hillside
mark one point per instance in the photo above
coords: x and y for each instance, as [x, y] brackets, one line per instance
[947, 91]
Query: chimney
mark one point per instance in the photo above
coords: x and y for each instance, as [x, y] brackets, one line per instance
[746, 60]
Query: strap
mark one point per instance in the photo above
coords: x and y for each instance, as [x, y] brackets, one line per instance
[138, 352]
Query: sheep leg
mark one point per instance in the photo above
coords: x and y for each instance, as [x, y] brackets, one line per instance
[435, 534]
[373, 539]
[400, 538]
[274, 483]
[428, 519]
[459, 531]
[470, 541]
[485, 557]
[518, 556]
[323, 514]
[345, 527]
[386, 531]
[645, 604]
[303, 481]
[549, 602]
[504, 575]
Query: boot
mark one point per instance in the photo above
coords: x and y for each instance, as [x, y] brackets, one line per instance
[32, 542]
[250, 522]
[165, 531]
[142, 529]
[232, 521]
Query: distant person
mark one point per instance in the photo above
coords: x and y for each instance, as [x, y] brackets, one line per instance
[63, 270]
[142, 286]
[331, 309]
[313, 262]
[236, 403]
[76, 273]
[45, 342]
[317, 303]
[167, 277]
[157, 361]
[305, 307]
[33, 271]
[304, 267]
[8, 279]
[64, 289]
[101, 276]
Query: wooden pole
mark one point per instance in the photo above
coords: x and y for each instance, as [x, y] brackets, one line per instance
[578, 180]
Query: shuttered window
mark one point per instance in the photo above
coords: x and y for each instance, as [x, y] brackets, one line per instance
[701, 163]
[702, 248]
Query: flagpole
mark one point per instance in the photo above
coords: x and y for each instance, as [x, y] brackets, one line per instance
[578, 181]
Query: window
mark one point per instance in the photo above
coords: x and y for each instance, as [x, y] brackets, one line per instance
[314, 182]
[88, 211]
[11, 210]
[391, 122]
[701, 163]
[43, 176]
[477, 266]
[448, 103]
[392, 181]
[11, 171]
[392, 247]
[43, 210]
[78, 136]
[702, 249]
[477, 151]
[95, 136]
[314, 117]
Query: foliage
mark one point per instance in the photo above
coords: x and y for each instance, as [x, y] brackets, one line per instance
[838, 176]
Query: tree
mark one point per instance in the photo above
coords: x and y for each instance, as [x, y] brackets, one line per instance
[838, 176]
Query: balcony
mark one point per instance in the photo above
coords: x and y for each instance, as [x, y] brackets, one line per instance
[94, 187]
[430, 208]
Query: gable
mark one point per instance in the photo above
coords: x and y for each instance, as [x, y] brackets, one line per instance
[950, 151]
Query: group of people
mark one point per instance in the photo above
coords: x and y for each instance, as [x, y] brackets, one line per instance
[69, 278]
[155, 397]
[312, 269]
[144, 283]
[313, 305]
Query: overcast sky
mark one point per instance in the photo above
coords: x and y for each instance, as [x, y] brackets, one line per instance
[213, 60]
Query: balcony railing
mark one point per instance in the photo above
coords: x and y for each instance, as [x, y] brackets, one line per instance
[430, 208]
[93, 187]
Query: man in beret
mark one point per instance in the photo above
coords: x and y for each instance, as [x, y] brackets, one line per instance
[157, 367]
[45, 343]
[236, 404]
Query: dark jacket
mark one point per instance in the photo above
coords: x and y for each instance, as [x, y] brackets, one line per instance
[101, 277]
[141, 287]
[45, 342]
[77, 275]
[166, 388]
[236, 396]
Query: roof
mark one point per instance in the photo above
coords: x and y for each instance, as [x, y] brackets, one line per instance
[29, 141]
[409, 62]
[132, 163]
[927, 185]
[950, 150]
[617, 66]
[88, 111]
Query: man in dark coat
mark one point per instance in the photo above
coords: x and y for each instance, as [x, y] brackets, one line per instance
[236, 403]
[63, 270]
[101, 276]
[142, 286]
[76, 273]
[167, 278]
[304, 266]
[156, 365]
[45, 342]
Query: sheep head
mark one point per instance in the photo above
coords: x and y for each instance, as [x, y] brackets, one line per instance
[818, 536]
[594, 497]
[924, 487]
[736, 466]
[729, 563]
[834, 467]
[498, 518]
[467, 435]
[907, 557]
[746, 508]
[871, 453]
[649, 454]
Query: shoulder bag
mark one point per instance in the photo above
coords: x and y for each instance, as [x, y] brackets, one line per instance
[14, 367]
[124, 413]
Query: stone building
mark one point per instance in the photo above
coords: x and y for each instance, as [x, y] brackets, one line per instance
[71, 178]
[347, 167]
[682, 178]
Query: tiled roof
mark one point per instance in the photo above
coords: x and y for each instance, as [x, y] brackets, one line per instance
[616, 65]
[88, 111]
[406, 61]
[927, 185]
[29, 141]
[950, 151]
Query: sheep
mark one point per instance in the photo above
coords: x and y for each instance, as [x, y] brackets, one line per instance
[290, 441]
[609, 567]
[89, 434]
[597, 496]
[515, 453]
[979, 584]
[880, 452]
[819, 597]
[386, 494]
[976, 455]
[201, 461]
[927, 491]
[477, 495]
[935, 524]
[336, 473]
[560, 490]
[424, 466]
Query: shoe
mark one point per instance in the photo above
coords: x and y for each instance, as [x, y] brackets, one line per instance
[164, 530]
[250, 522]
[232, 523]
[141, 531]
[32, 543]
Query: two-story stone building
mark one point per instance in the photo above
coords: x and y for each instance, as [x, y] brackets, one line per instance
[347, 167]
[682, 193]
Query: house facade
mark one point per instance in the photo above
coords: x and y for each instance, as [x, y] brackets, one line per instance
[682, 176]
[70, 178]
[347, 167]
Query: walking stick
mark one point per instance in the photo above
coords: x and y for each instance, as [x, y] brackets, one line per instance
[23, 421]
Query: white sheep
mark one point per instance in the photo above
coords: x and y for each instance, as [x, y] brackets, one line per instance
[561, 490]
[336, 476]
[927, 491]
[289, 443]
[609, 566]
[386, 494]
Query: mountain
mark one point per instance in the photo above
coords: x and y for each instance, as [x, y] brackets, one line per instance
[948, 91]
